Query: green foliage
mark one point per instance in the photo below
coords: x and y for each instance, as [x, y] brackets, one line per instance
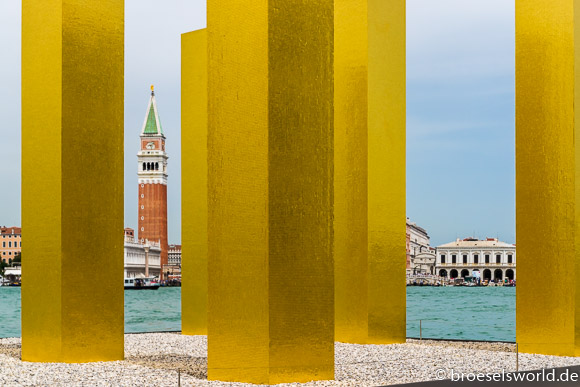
[2, 266]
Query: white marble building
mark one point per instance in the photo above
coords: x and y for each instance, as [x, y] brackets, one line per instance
[173, 266]
[141, 259]
[174, 255]
[420, 256]
[495, 260]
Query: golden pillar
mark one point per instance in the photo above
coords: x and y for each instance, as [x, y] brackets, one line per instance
[369, 193]
[547, 177]
[72, 180]
[194, 182]
[270, 191]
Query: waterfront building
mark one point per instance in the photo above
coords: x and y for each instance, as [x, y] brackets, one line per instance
[174, 261]
[10, 243]
[408, 244]
[142, 259]
[174, 255]
[152, 174]
[420, 256]
[493, 259]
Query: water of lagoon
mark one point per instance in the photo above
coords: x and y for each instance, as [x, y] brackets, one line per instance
[481, 313]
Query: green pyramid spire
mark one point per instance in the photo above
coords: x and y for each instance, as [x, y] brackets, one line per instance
[152, 122]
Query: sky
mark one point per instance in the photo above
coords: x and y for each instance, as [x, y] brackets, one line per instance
[460, 110]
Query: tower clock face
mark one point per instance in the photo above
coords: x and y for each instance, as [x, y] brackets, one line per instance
[151, 145]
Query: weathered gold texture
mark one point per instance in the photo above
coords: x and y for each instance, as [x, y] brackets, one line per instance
[270, 187]
[194, 182]
[72, 180]
[547, 177]
[369, 193]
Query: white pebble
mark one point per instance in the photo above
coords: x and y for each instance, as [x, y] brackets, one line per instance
[152, 359]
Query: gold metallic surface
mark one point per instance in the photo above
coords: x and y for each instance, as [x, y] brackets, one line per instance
[577, 183]
[72, 180]
[351, 171]
[370, 222]
[270, 187]
[547, 162]
[194, 182]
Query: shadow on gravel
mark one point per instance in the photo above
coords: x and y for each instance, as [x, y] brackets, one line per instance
[194, 366]
[12, 350]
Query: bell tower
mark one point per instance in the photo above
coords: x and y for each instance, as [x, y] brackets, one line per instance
[152, 172]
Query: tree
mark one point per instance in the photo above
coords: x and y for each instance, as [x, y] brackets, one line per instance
[2, 266]
[17, 258]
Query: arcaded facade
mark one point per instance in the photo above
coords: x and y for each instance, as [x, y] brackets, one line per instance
[495, 260]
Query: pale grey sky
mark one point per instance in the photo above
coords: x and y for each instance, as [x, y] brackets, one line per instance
[460, 110]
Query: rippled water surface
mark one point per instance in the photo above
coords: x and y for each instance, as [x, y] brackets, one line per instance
[478, 313]
[447, 312]
[153, 310]
[9, 311]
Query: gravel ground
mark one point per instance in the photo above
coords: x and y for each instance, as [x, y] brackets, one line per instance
[153, 360]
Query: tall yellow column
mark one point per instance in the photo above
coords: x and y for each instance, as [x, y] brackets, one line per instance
[270, 188]
[194, 182]
[369, 193]
[72, 180]
[548, 176]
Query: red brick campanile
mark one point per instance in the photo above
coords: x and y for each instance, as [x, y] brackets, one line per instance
[153, 182]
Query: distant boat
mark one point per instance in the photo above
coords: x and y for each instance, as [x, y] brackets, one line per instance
[12, 276]
[141, 284]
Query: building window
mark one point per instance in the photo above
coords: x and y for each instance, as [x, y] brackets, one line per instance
[498, 258]
[142, 207]
[10, 253]
[486, 258]
[142, 229]
[9, 244]
[464, 258]
[142, 217]
[476, 258]
[510, 258]
[454, 258]
[144, 167]
[142, 196]
[3, 244]
[442, 258]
